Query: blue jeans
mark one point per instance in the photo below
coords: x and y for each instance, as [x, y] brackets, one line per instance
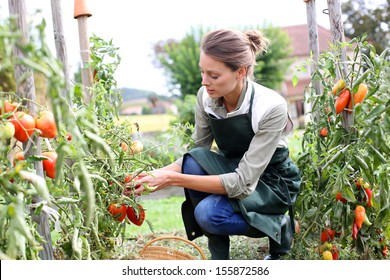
[214, 213]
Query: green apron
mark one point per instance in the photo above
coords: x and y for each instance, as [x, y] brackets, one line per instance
[276, 190]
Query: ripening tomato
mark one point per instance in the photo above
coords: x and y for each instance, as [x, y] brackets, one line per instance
[7, 130]
[8, 106]
[24, 125]
[117, 211]
[46, 124]
[124, 147]
[359, 183]
[339, 86]
[49, 165]
[137, 217]
[136, 147]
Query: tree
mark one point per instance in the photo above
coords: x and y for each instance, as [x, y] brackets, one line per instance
[361, 18]
[179, 60]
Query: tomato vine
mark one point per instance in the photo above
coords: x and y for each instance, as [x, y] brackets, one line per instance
[332, 164]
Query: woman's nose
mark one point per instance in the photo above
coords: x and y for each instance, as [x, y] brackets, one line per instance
[205, 81]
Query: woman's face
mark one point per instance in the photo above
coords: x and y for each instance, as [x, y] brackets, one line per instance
[219, 79]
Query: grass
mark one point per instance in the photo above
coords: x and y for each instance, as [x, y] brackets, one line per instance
[150, 123]
[161, 215]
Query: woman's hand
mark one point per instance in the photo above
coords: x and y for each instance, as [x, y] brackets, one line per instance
[153, 181]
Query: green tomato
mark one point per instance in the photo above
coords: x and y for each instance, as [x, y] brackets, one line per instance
[7, 130]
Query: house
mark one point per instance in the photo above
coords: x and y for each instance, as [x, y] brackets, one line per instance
[299, 36]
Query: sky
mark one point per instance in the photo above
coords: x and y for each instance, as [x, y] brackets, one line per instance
[135, 26]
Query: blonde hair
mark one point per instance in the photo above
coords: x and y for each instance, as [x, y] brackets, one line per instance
[235, 48]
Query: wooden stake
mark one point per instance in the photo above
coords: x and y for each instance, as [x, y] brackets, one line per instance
[337, 29]
[60, 43]
[26, 90]
[81, 13]
[313, 40]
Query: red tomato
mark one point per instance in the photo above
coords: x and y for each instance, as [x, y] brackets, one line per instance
[127, 178]
[342, 101]
[385, 251]
[46, 123]
[339, 197]
[324, 132]
[327, 235]
[117, 211]
[136, 217]
[68, 136]
[49, 165]
[24, 125]
[335, 253]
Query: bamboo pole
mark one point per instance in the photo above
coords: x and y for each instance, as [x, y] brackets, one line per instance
[60, 43]
[81, 13]
[25, 88]
[337, 29]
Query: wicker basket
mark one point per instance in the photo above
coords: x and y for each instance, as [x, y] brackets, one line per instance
[151, 251]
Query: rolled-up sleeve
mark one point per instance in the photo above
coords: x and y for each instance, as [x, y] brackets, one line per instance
[202, 132]
[243, 181]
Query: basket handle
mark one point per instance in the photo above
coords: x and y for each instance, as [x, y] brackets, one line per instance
[177, 238]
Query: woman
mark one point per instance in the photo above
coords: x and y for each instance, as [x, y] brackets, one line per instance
[248, 186]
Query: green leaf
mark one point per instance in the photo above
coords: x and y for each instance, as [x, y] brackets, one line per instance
[38, 182]
[311, 212]
[294, 80]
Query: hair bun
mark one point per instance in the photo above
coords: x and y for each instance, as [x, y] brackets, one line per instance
[259, 43]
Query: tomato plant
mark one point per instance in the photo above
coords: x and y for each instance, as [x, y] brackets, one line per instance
[86, 167]
[357, 147]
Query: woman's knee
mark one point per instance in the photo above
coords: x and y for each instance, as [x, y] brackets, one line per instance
[191, 166]
[214, 214]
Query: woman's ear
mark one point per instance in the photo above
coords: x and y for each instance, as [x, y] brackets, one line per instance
[241, 73]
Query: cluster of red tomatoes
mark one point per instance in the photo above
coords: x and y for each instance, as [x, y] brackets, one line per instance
[21, 125]
[120, 211]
